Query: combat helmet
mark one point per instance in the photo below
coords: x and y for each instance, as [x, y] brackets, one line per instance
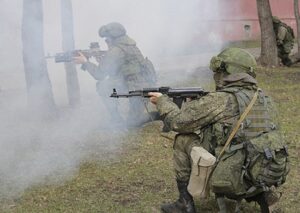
[234, 60]
[275, 20]
[112, 30]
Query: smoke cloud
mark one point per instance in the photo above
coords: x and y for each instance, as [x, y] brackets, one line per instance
[173, 34]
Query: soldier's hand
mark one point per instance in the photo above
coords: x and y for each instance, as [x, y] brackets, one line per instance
[154, 97]
[80, 59]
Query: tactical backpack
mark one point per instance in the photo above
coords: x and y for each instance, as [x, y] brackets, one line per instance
[257, 157]
[138, 65]
[148, 71]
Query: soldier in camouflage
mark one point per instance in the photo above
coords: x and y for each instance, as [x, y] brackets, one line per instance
[122, 68]
[285, 40]
[214, 116]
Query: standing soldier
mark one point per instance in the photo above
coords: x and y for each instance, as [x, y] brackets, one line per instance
[236, 125]
[122, 67]
[285, 40]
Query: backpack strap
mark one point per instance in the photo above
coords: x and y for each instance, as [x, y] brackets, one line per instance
[238, 124]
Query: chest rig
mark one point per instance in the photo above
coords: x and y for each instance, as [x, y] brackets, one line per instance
[258, 120]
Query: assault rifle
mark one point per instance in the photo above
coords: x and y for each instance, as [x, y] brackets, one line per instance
[179, 95]
[68, 56]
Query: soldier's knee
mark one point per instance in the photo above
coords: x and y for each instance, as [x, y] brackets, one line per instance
[185, 142]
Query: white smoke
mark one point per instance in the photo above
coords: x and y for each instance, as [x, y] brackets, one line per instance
[172, 33]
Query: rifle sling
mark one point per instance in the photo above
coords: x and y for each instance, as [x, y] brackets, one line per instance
[238, 124]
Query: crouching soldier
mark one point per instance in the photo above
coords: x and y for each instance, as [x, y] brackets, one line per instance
[285, 41]
[237, 126]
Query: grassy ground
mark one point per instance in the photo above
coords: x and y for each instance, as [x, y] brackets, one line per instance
[140, 177]
[283, 86]
[244, 44]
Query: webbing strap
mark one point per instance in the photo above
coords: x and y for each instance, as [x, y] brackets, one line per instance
[238, 124]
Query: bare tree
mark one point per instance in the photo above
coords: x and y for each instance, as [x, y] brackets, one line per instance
[268, 39]
[297, 16]
[39, 87]
[68, 45]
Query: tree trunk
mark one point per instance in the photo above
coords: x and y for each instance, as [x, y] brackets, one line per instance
[268, 39]
[39, 89]
[68, 45]
[297, 16]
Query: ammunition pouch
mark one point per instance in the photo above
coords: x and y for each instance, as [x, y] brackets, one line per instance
[252, 167]
[266, 164]
[227, 178]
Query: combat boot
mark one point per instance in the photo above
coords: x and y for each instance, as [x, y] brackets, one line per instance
[185, 203]
[272, 198]
[268, 202]
[287, 61]
[262, 202]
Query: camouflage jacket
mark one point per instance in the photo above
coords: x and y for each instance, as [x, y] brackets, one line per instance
[281, 34]
[284, 34]
[213, 114]
[120, 63]
[197, 114]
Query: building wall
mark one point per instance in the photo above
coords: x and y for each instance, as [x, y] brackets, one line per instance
[238, 19]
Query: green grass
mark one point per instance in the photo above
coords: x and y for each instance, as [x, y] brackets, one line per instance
[140, 177]
[244, 44]
[283, 85]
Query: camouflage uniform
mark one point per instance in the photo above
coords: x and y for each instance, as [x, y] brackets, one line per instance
[119, 68]
[285, 40]
[214, 116]
[194, 116]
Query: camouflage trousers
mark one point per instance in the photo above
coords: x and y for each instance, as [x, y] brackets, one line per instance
[183, 145]
[284, 52]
